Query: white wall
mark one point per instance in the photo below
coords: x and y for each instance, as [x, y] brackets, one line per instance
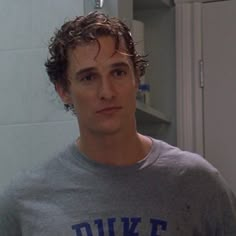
[33, 124]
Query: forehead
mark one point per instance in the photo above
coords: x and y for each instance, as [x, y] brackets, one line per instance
[101, 51]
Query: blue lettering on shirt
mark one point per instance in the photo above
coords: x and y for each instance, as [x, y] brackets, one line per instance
[111, 222]
[158, 226]
[99, 224]
[130, 227]
[83, 226]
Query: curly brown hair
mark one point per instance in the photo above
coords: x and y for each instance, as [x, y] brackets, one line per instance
[85, 29]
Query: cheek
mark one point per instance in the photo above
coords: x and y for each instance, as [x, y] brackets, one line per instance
[83, 100]
[133, 89]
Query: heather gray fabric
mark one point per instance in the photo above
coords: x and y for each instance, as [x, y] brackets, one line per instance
[169, 193]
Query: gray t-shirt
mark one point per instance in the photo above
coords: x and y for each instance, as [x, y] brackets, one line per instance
[169, 193]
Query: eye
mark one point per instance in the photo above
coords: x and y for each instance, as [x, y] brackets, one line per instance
[87, 78]
[119, 73]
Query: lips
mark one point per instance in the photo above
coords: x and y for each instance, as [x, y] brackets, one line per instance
[109, 109]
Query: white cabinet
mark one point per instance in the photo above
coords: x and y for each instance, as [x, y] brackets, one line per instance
[152, 4]
[159, 36]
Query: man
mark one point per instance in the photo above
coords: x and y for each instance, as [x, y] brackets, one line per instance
[112, 181]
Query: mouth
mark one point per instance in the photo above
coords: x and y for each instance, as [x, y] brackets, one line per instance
[109, 110]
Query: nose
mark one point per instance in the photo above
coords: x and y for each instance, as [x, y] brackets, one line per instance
[107, 89]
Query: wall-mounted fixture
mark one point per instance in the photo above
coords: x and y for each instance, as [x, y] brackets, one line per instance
[99, 4]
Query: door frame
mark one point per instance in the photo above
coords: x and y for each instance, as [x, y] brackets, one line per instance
[189, 73]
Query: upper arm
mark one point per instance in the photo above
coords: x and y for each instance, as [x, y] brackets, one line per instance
[221, 210]
[9, 222]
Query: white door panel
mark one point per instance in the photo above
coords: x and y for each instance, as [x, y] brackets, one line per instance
[219, 55]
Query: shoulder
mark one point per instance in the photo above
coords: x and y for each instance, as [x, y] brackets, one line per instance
[171, 155]
[44, 175]
[41, 181]
[193, 177]
[187, 166]
[193, 173]
[192, 170]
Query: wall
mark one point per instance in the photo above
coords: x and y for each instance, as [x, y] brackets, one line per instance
[160, 47]
[121, 8]
[33, 124]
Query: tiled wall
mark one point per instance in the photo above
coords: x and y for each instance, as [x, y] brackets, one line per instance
[33, 124]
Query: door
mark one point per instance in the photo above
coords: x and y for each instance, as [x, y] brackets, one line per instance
[219, 56]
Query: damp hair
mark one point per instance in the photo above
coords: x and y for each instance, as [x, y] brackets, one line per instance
[84, 29]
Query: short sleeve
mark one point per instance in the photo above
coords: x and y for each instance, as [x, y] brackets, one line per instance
[222, 209]
[9, 222]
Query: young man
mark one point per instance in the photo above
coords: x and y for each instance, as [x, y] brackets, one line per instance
[112, 181]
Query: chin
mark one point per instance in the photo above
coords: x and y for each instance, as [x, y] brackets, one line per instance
[107, 129]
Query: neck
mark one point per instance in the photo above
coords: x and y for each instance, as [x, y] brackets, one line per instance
[120, 149]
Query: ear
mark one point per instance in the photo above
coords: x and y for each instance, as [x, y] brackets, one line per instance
[137, 79]
[137, 82]
[63, 93]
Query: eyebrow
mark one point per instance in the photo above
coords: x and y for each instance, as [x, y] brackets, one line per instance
[120, 64]
[86, 70]
[90, 69]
